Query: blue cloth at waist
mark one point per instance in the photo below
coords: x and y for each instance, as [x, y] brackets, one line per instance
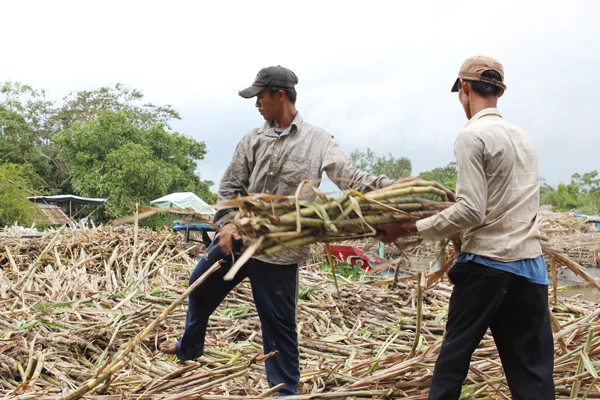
[532, 269]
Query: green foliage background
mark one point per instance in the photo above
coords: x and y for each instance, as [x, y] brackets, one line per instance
[107, 142]
[14, 206]
[394, 168]
[104, 142]
[581, 194]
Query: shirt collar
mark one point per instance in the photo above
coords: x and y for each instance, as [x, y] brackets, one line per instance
[484, 113]
[267, 127]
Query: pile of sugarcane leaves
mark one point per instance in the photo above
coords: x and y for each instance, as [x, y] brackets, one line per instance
[84, 310]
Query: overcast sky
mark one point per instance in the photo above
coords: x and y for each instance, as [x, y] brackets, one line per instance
[374, 74]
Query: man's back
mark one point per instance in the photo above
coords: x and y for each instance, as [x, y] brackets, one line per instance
[508, 159]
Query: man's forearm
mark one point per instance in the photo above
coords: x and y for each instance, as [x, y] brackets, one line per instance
[449, 222]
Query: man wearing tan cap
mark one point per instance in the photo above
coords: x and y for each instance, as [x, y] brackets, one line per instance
[500, 279]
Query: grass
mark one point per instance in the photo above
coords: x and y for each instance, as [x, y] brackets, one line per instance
[347, 270]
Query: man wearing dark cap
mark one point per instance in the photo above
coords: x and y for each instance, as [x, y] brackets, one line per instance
[500, 279]
[273, 158]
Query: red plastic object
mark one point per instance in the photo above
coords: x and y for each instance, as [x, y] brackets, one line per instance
[355, 256]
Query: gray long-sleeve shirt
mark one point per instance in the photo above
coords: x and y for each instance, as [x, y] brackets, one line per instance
[497, 192]
[267, 162]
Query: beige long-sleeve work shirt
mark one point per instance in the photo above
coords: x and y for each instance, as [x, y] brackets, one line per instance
[267, 162]
[497, 192]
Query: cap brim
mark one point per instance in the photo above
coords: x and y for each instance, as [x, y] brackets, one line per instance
[250, 91]
[456, 86]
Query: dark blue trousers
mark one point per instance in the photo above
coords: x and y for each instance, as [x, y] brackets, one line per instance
[517, 313]
[274, 288]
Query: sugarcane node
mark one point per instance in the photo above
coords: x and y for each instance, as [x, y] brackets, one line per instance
[274, 219]
[329, 227]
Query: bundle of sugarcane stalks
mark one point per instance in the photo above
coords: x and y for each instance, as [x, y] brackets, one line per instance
[270, 224]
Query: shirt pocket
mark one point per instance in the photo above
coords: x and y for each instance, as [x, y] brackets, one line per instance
[293, 171]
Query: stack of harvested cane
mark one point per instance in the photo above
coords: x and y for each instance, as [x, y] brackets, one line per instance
[83, 311]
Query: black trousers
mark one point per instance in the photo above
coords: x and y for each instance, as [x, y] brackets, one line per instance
[274, 288]
[517, 313]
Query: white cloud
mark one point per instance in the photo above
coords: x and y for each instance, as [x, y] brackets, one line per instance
[376, 74]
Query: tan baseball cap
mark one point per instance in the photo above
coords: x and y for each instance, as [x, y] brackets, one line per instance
[473, 67]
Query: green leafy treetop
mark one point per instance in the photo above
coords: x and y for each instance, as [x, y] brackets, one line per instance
[393, 168]
[582, 194]
[111, 157]
[14, 206]
[445, 175]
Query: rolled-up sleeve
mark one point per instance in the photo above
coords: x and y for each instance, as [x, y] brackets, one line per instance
[343, 173]
[471, 191]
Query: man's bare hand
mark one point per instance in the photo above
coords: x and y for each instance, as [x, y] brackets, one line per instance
[393, 231]
[456, 242]
[226, 235]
